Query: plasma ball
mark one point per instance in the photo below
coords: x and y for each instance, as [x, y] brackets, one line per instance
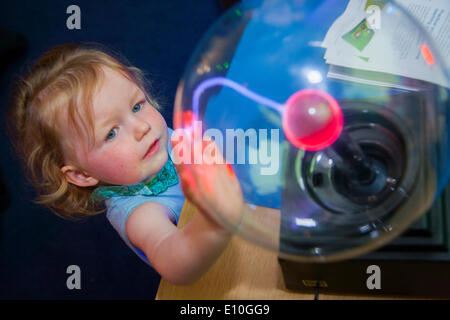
[312, 120]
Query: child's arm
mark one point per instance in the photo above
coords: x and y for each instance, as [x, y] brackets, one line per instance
[180, 256]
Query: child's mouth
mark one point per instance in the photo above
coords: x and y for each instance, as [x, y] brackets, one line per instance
[154, 147]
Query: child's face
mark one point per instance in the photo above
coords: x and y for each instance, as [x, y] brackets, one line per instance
[130, 137]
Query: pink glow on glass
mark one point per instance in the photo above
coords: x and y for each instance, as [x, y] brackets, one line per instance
[428, 56]
[312, 120]
[188, 118]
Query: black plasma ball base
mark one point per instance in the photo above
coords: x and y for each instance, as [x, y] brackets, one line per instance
[370, 160]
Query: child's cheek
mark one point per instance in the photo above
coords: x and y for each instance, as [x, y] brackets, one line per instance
[115, 168]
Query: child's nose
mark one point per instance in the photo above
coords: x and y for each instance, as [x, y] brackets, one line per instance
[141, 129]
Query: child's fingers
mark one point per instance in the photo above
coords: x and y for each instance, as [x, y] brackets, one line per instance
[189, 184]
[209, 183]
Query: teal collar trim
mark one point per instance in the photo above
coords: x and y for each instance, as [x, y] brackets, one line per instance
[166, 178]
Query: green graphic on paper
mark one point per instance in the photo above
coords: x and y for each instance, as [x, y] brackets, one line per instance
[366, 59]
[360, 36]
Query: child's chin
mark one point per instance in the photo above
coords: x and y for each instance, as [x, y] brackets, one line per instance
[159, 160]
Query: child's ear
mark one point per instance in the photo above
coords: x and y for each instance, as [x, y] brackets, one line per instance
[78, 177]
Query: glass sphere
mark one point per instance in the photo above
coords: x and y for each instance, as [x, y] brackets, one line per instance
[331, 114]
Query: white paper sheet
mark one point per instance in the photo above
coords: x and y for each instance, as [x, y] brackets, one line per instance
[396, 48]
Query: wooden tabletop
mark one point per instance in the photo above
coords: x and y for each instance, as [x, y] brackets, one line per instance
[244, 271]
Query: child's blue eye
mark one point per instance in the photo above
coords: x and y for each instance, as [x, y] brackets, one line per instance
[111, 134]
[137, 107]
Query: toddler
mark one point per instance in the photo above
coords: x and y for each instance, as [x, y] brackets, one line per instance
[92, 139]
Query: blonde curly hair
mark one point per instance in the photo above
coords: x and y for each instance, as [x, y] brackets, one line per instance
[62, 80]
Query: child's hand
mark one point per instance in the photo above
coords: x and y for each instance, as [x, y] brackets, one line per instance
[210, 185]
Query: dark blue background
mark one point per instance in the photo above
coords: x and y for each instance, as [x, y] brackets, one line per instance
[36, 247]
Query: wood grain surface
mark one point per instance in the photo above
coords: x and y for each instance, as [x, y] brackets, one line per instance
[243, 271]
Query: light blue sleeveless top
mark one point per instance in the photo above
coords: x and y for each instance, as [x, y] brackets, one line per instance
[119, 208]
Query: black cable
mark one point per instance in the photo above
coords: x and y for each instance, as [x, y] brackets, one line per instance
[316, 295]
